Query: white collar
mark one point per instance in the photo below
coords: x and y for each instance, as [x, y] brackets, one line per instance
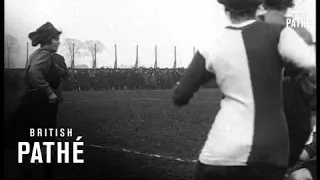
[242, 24]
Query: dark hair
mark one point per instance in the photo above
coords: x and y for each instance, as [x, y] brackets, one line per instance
[240, 9]
[278, 4]
[246, 13]
[44, 34]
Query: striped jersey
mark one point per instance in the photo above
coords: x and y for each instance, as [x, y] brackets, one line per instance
[247, 64]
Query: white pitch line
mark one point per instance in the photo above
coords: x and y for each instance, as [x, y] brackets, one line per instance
[140, 153]
[144, 154]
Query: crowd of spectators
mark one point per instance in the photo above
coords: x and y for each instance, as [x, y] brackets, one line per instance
[110, 79]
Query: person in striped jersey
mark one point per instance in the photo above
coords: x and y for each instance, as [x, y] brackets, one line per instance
[249, 137]
[299, 101]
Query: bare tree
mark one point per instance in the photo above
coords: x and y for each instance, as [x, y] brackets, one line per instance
[11, 46]
[72, 47]
[93, 48]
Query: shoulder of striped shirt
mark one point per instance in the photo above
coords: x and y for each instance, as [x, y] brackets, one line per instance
[290, 39]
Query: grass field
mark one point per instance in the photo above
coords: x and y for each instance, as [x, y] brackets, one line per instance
[136, 134]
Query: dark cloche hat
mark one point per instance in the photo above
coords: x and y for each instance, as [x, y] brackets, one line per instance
[240, 5]
[44, 33]
[279, 3]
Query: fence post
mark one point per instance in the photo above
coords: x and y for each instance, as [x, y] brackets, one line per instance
[27, 59]
[156, 57]
[115, 66]
[175, 58]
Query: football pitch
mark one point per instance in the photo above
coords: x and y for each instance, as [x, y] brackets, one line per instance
[136, 134]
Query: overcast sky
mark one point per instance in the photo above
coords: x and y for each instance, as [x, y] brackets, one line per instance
[165, 23]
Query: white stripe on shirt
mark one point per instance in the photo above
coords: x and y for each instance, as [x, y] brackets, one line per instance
[293, 48]
[230, 138]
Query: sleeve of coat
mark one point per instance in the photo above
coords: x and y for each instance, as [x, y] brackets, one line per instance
[63, 70]
[37, 71]
[61, 66]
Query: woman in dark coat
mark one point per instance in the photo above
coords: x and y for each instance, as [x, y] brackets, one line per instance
[41, 80]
